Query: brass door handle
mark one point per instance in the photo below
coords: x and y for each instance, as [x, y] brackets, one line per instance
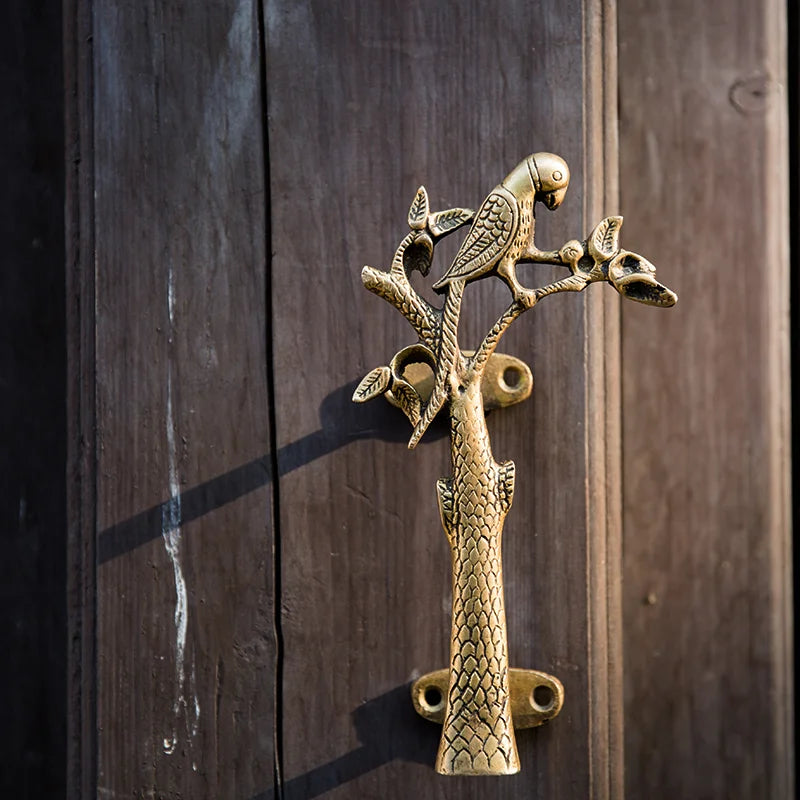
[479, 700]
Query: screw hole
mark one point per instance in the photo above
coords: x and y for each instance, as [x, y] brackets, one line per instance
[433, 697]
[543, 698]
[512, 377]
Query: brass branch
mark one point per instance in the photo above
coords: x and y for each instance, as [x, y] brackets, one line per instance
[423, 317]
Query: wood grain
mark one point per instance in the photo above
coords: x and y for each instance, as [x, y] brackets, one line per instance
[185, 640]
[367, 101]
[705, 402]
[81, 420]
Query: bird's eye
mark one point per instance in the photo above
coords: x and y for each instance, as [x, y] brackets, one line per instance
[557, 176]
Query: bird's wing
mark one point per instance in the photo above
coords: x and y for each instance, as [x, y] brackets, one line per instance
[487, 240]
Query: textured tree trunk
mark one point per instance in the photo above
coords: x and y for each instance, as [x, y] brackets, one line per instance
[478, 733]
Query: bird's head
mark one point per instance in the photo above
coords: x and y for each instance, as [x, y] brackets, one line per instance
[550, 178]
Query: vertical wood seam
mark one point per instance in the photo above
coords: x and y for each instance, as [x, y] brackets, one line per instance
[603, 393]
[269, 334]
[613, 393]
[81, 408]
[778, 293]
[791, 61]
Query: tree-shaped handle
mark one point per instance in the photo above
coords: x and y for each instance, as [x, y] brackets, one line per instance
[479, 700]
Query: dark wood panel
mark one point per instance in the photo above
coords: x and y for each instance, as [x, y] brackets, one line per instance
[81, 406]
[33, 622]
[185, 635]
[705, 403]
[367, 101]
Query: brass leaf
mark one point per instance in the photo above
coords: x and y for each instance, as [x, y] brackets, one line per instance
[408, 400]
[444, 221]
[418, 213]
[604, 241]
[373, 384]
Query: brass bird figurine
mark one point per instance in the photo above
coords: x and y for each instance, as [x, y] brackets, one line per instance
[502, 233]
[501, 236]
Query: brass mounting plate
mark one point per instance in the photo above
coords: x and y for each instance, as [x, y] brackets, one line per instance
[536, 697]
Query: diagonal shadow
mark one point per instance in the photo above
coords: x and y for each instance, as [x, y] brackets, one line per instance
[388, 729]
[341, 422]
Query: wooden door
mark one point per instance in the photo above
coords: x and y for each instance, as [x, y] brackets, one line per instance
[707, 573]
[257, 568]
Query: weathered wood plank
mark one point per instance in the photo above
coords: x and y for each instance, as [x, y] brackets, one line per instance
[706, 391]
[185, 640]
[81, 479]
[366, 101]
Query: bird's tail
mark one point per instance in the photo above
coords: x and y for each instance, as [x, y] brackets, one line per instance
[446, 359]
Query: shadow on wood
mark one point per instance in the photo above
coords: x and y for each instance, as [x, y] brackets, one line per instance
[388, 729]
[340, 424]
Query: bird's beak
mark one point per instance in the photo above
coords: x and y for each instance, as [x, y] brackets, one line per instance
[554, 199]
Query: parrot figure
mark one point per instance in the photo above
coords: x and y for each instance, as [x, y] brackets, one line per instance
[501, 236]
[502, 232]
